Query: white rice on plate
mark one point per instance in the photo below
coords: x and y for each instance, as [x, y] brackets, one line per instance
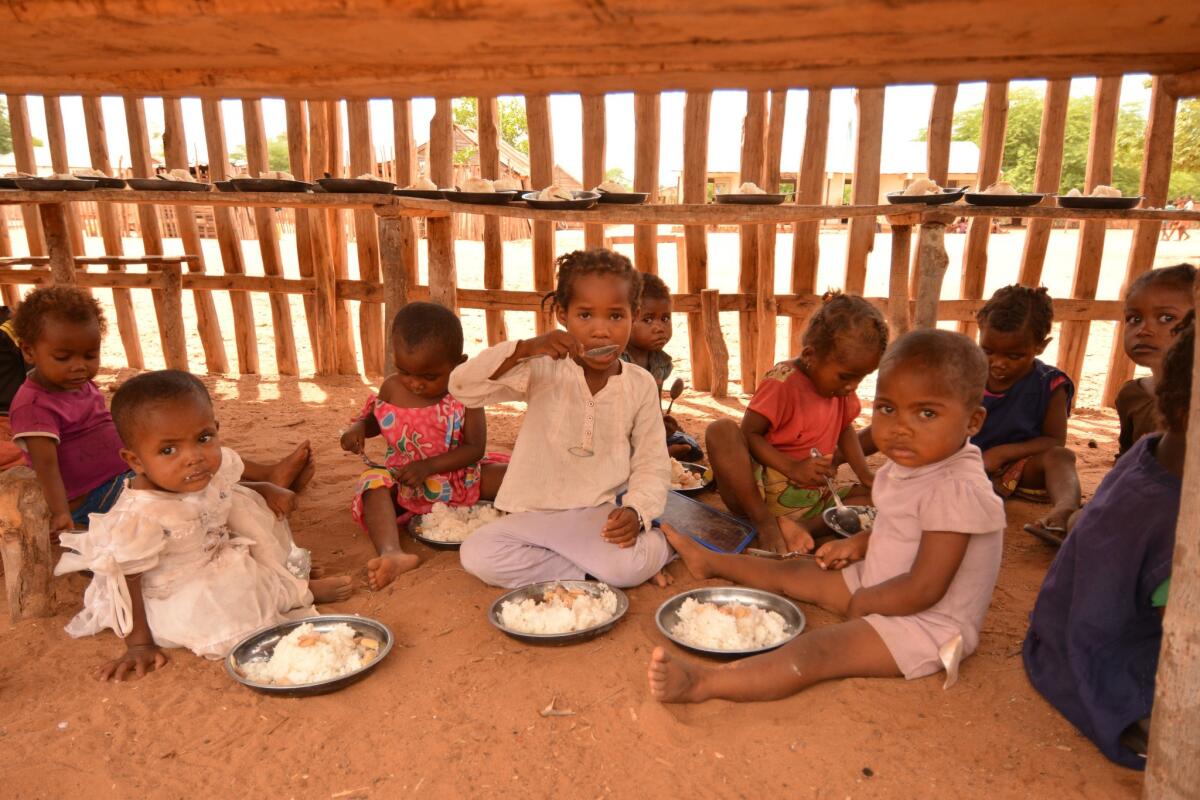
[307, 655]
[728, 626]
[684, 478]
[454, 524]
[561, 610]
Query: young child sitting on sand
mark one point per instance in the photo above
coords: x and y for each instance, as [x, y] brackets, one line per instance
[1096, 628]
[435, 444]
[915, 605]
[592, 437]
[1154, 305]
[652, 331]
[766, 469]
[1024, 436]
[187, 556]
[58, 415]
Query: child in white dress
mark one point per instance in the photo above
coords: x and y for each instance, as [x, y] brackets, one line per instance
[188, 556]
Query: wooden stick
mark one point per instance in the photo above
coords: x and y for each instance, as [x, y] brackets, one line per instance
[406, 173]
[209, 328]
[867, 153]
[172, 293]
[333, 358]
[1156, 177]
[443, 275]
[11, 293]
[991, 154]
[541, 175]
[937, 150]
[334, 163]
[810, 184]
[493, 244]
[173, 344]
[765, 310]
[1047, 175]
[268, 239]
[594, 143]
[227, 238]
[646, 125]
[58, 242]
[25, 540]
[898, 282]
[395, 282]
[718, 354]
[1074, 335]
[696, 109]
[932, 261]
[110, 231]
[23, 157]
[57, 135]
[362, 161]
[299, 164]
[754, 143]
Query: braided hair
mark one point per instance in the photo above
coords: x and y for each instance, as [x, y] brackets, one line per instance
[1180, 277]
[573, 265]
[1016, 308]
[845, 320]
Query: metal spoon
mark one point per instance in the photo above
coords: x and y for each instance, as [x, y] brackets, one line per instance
[846, 519]
[676, 390]
[754, 551]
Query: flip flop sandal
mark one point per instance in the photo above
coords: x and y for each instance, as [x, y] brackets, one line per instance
[1052, 535]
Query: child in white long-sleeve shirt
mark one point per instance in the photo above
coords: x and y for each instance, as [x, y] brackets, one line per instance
[590, 469]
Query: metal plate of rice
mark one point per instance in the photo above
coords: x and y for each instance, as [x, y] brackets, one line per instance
[536, 590]
[668, 615]
[706, 478]
[863, 511]
[416, 531]
[259, 646]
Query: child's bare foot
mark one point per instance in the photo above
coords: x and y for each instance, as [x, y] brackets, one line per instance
[795, 536]
[316, 571]
[694, 554]
[385, 568]
[672, 681]
[331, 590]
[295, 470]
[662, 579]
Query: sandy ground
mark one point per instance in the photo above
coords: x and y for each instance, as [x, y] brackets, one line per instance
[454, 710]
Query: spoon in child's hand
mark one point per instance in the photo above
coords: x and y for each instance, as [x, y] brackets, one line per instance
[676, 390]
[846, 519]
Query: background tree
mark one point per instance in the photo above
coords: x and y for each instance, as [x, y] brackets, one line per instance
[617, 174]
[1185, 172]
[514, 125]
[5, 131]
[277, 153]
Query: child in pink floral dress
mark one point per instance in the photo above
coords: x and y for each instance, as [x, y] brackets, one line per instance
[435, 444]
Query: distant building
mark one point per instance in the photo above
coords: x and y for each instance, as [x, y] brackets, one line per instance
[513, 163]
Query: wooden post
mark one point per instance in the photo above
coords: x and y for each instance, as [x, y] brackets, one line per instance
[324, 273]
[1047, 175]
[1173, 771]
[898, 310]
[937, 150]
[646, 124]
[395, 282]
[991, 153]
[209, 328]
[362, 161]
[754, 143]
[443, 275]
[406, 173]
[594, 143]
[764, 301]
[718, 354]
[541, 175]
[58, 242]
[111, 232]
[268, 240]
[695, 189]
[1073, 335]
[868, 150]
[11, 292]
[298, 164]
[57, 135]
[173, 344]
[227, 238]
[172, 292]
[932, 261]
[22, 142]
[810, 181]
[331, 161]
[1156, 176]
[493, 245]
[25, 536]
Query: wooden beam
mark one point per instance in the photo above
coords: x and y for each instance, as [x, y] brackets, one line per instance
[56, 133]
[58, 242]
[867, 153]
[991, 155]
[1156, 178]
[718, 354]
[1047, 175]
[937, 150]
[366, 237]
[594, 143]
[111, 232]
[647, 137]
[443, 277]
[898, 314]
[333, 162]
[22, 142]
[25, 545]
[541, 175]
[932, 261]
[810, 186]
[300, 165]
[765, 310]
[696, 109]
[232, 262]
[406, 173]
[493, 243]
[393, 268]
[1073, 336]
[753, 162]
[1182, 84]
[207, 325]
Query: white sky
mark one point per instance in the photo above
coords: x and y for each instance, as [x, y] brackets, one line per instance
[906, 112]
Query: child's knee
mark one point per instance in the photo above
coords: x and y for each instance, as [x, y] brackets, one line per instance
[1060, 457]
[722, 432]
[635, 565]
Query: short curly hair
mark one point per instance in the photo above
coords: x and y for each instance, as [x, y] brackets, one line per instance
[600, 261]
[1179, 277]
[845, 321]
[63, 303]
[418, 325]
[1174, 389]
[958, 363]
[654, 287]
[149, 388]
[1017, 308]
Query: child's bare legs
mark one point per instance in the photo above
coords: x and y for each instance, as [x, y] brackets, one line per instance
[734, 471]
[490, 478]
[293, 471]
[379, 515]
[331, 590]
[679, 452]
[1055, 471]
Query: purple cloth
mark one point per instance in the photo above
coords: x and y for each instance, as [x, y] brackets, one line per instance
[89, 449]
[1017, 415]
[1094, 635]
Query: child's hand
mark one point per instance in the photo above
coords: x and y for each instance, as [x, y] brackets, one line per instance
[61, 522]
[991, 463]
[671, 424]
[413, 474]
[353, 439]
[555, 344]
[622, 527]
[281, 501]
[811, 471]
[841, 553]
[136, 661]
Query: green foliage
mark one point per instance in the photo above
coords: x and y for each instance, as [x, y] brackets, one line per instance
[277, 154]
[514, 126]
[617, 174]
[464, 156]
[1187, 136]
[5, 131]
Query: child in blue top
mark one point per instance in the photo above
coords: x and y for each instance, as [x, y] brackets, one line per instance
[1096, 629]
[1025, 433]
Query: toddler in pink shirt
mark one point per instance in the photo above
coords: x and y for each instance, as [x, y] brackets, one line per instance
[915, 588]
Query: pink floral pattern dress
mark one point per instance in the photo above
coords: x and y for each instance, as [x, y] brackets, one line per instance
[413, 434]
